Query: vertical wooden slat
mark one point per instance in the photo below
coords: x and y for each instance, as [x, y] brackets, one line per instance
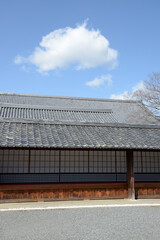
[130, 175]
[88, 161]
[29, 160]
[3, 162]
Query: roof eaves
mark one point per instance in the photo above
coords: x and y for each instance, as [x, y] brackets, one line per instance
[151, 148]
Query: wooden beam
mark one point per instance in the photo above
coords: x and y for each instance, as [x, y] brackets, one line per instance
[130, 175]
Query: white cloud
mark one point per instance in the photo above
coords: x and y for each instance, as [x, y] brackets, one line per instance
[19, 59]
[81, 47]
[138, 86]
[100, 81]
[129, 95]
[24, 68]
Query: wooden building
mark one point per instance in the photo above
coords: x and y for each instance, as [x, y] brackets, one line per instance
[77, 148]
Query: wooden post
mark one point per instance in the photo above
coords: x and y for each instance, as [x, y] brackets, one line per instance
[130, 175]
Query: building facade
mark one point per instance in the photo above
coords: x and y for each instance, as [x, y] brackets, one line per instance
[77, 148]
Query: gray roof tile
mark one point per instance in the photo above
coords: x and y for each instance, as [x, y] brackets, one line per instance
[65, 115]
[16, 134]
[124, 111]
[63, 122]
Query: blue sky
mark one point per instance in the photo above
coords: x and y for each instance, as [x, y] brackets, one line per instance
[87, 48]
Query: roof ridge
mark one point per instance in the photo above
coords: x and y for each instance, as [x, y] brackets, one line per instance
[71, 98]
[89, 124]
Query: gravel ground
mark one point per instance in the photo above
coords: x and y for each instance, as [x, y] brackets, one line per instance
[125, 223]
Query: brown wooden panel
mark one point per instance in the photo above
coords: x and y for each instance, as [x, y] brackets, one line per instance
[62, 186]
[147, 190]
[35, 192]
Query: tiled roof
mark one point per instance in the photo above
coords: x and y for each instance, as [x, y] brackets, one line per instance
[63, 122]
[129, 112]
[63, 115]
[25, 134]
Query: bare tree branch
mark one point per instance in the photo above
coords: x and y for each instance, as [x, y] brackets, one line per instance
[150, 94]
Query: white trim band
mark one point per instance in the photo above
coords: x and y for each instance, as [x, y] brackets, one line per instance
[78, 207]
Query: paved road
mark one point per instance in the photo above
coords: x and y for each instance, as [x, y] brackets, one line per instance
[122, 223]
